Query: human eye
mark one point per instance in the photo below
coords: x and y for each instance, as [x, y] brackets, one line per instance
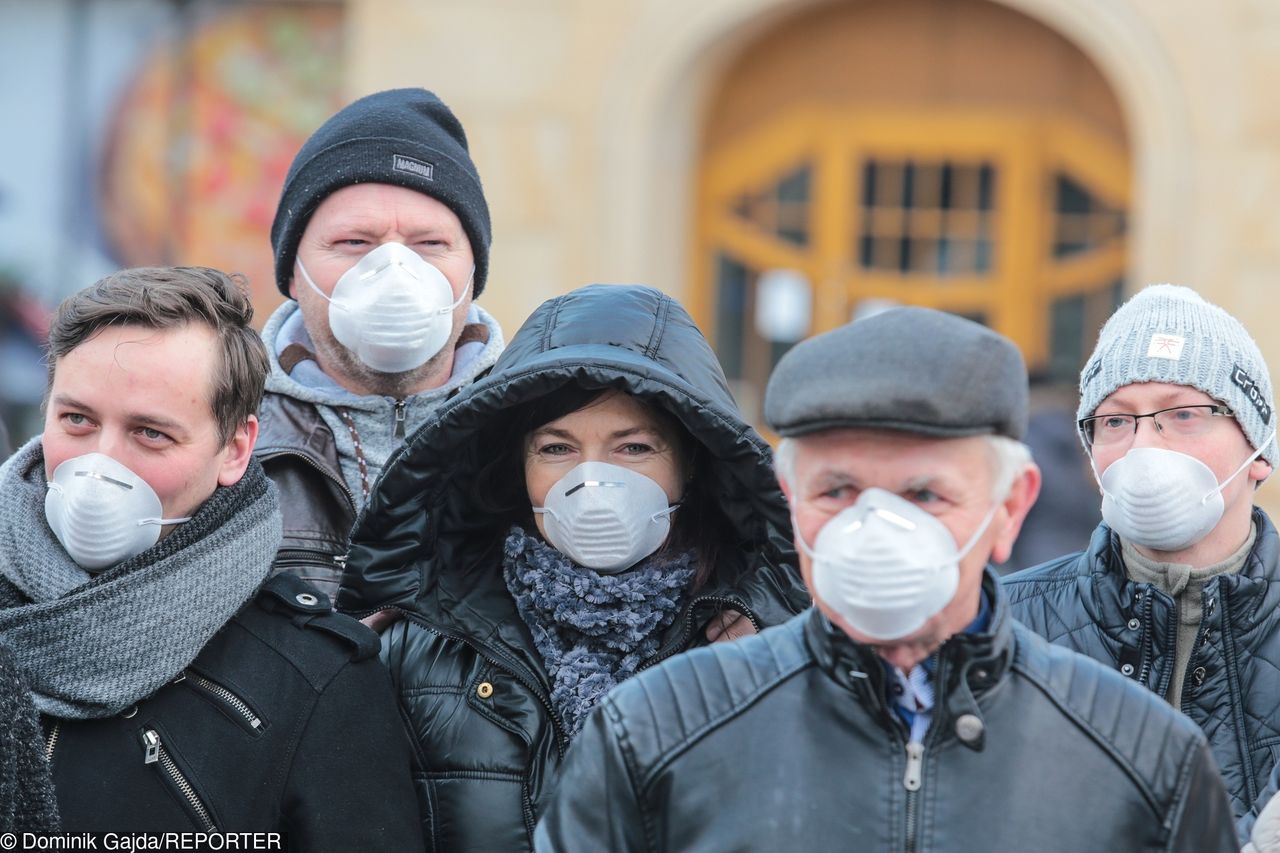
[153, 436]
[555, 448]
[923, 496]
[1113, 422]
[636, 448]
[1186, 415]
[76, 423]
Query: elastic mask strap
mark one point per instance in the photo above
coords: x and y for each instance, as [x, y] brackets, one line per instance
[163, 521]
[977, 534]
[470, 279]
[1246, 464]
[960, 555]
[307, 277]
[663, 513]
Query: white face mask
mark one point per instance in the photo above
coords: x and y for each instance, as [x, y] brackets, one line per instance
[606, 517]
[102, 512]
[392, 308]
[885, 565]
[1162, 499]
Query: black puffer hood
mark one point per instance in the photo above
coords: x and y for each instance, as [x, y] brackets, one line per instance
[417, 545]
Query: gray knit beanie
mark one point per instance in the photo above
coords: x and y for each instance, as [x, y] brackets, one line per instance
[1170, 334]
[404, 137]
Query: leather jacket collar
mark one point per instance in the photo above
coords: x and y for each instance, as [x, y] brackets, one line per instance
[969, 664]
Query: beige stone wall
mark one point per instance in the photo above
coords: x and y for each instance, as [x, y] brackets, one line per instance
[584, 118]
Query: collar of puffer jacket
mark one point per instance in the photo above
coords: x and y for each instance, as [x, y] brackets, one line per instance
[970, 664]
[1113, 599]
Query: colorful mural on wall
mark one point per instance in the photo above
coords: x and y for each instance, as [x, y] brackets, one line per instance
[201, 140]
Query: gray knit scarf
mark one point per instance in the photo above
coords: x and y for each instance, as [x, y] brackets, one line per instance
[93, 645]
[592, 630]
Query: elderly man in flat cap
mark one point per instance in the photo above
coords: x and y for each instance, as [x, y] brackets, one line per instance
[907, 710]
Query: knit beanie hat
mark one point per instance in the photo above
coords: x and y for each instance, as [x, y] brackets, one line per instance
[405, 137]
[1170, 334]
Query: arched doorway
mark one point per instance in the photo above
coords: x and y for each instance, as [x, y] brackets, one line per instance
[949, 153]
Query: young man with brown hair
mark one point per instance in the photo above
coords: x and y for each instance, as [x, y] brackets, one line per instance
[179, 692]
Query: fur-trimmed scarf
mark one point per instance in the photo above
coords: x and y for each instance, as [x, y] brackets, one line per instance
[93, 645]
[592, 630]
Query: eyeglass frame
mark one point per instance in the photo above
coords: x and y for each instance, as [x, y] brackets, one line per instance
[1216, 410]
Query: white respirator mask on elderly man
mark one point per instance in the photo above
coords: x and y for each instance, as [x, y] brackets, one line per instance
[885, 565]
[393, 309]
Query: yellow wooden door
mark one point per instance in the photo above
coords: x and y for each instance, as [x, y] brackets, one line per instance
[1016, 220]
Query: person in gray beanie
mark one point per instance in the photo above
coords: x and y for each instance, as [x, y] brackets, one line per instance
[907, 710]
[1179, 588]
[381, 241]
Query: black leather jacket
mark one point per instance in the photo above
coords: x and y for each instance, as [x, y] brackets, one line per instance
[297, 450]
[473, 688]
[1231, 690]
[785, 741]
[285, 722]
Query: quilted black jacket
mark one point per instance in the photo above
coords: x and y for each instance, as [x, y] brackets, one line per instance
[1232, 686]
[472, 687]
[784, 741]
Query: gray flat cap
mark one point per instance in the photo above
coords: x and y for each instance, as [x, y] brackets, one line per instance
[910, 369]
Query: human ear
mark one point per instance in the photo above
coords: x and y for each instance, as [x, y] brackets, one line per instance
[238, 452]
[1022, 496]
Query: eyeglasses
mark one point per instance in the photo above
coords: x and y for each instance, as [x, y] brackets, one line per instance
[1176, 422]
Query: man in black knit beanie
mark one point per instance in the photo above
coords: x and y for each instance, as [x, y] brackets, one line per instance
[381, 243]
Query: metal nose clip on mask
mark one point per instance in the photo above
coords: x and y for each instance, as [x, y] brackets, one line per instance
[606, 517]
[102, 512]
[885, 565]
[393, 309]
[1162, 499]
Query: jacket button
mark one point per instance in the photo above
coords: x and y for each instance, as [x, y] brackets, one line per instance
[1134, 624]
[969, 728]
[1198, 674]
[484, 690]
[1127, 669]
[306, 599]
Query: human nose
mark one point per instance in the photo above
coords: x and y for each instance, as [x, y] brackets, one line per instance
[1146, 432]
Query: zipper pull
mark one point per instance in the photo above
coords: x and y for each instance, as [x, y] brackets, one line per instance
[151, 741]
[915, 762]
[400, 416]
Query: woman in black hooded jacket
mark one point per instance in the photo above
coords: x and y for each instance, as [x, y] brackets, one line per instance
[483, 530]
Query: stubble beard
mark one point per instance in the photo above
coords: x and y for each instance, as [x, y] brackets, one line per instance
[362, 379]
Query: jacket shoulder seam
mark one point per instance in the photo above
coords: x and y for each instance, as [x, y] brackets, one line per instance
[691, 738]
[1093, 733]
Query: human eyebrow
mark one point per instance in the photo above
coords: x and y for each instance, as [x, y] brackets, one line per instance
[157, 422]
[68, 402]
[553, 432]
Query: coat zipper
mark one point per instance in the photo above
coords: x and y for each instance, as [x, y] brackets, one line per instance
[238, 705]
[913, 780]
[309, 557]
[155, 753]
[51, 742]
[1148, 651]
[673, 648]
[400, 419]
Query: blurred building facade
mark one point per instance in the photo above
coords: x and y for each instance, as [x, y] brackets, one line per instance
[1022, 162]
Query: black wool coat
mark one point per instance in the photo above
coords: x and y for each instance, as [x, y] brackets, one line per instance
[285, 722]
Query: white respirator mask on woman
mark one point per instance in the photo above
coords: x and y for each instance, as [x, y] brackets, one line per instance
[102, 512]
[885, 565]
[606, 517]
[1162, 499]
[393, 309]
